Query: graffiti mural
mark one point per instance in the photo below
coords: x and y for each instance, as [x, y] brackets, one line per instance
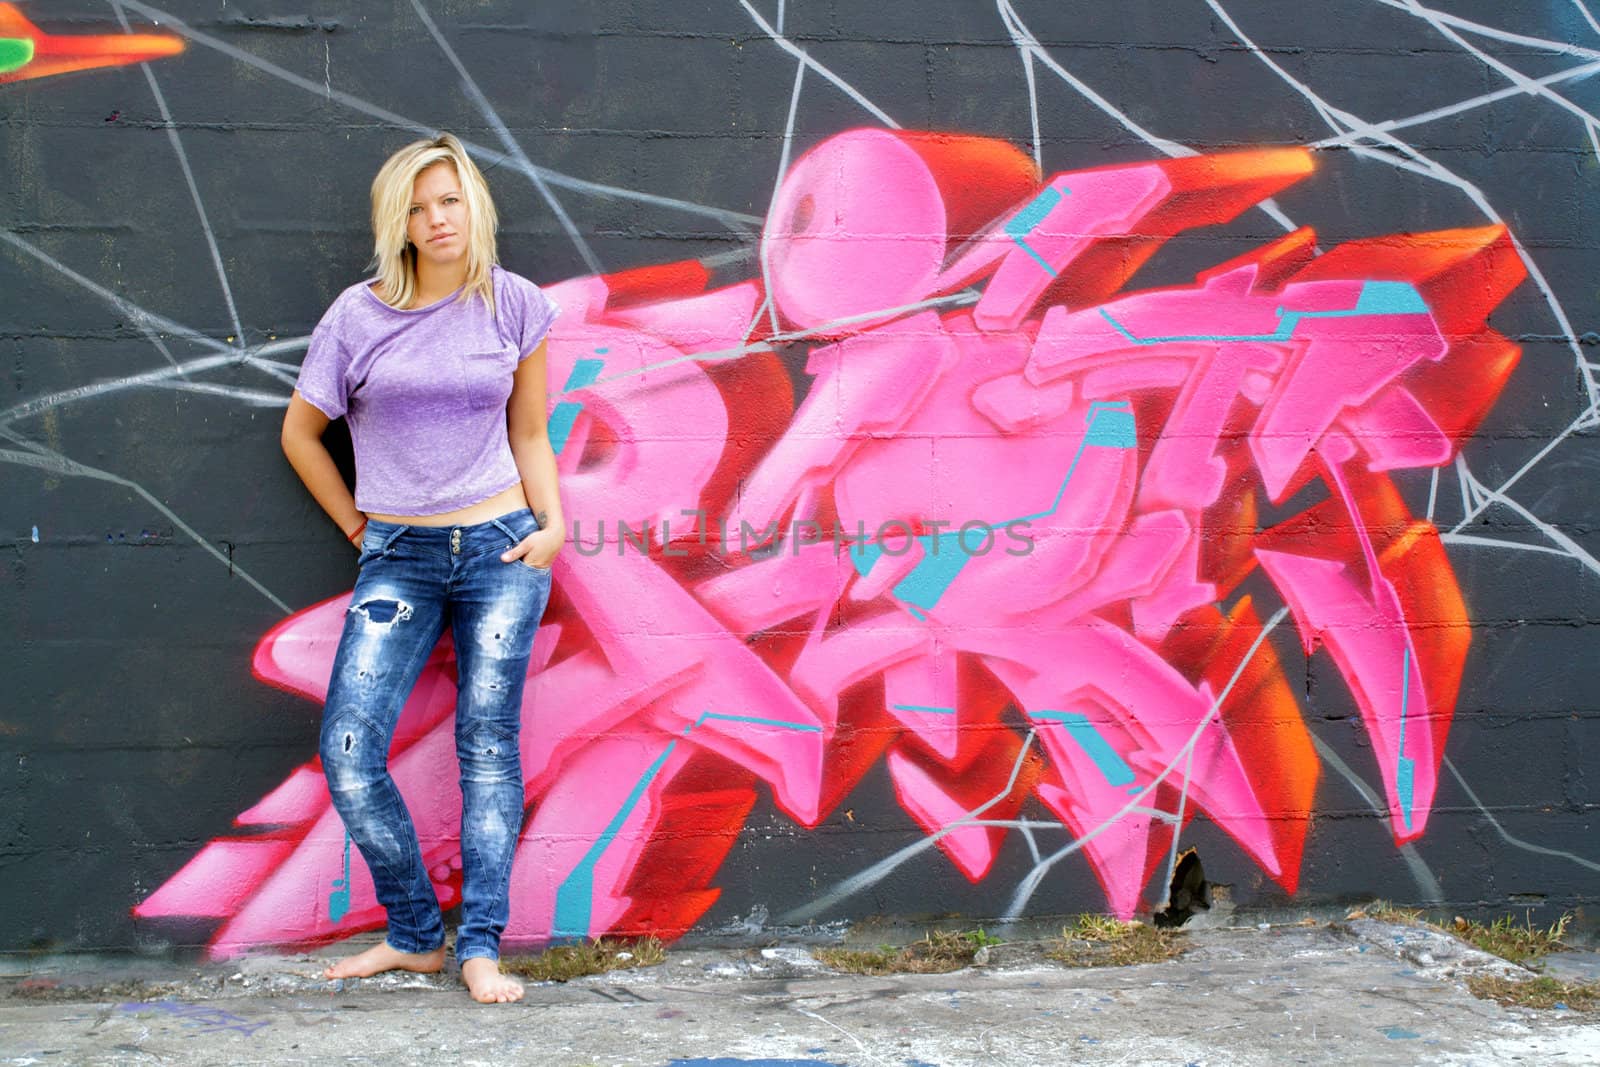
[26, 52]
[1006, 445]
[1122, 444]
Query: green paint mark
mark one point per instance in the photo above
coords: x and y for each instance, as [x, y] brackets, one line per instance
[15, 53]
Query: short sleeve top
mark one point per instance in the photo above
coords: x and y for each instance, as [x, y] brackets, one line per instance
[424, 390]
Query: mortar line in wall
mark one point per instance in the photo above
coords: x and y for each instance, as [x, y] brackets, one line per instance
[47, 459]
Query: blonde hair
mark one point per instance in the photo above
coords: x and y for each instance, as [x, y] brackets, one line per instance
[393, 257]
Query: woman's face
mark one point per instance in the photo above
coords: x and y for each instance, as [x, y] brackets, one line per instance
[437, 221]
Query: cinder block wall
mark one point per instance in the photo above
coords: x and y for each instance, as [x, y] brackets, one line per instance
[1008, 444]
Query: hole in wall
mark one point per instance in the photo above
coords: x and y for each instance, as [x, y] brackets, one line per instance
[1188, 893]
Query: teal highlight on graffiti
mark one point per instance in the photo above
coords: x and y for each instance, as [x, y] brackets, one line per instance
[944, 555]
[575, 896]
[925, 709]
[1376, 298]
[942, 561]
[339, 899]
[1096, 747]
[1020, 225]
[803, 727]
[562, 419]
[1111, 425]
[1390, 298]
[1405, 770]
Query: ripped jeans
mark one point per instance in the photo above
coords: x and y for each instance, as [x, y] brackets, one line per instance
[414, 581]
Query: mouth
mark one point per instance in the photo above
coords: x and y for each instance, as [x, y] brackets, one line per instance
[440, 237]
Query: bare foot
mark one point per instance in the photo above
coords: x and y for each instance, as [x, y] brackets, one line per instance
[380, 958]
[486, 984]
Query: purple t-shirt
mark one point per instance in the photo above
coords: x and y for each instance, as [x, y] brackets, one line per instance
[424, 391]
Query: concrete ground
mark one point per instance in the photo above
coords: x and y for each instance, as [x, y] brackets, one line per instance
[1355, 992]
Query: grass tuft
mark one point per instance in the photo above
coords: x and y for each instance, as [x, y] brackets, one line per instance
[566, 962]
[1387, 912]
[1541, 992]
[939, 952]
[1521, 943]
[1102, 941]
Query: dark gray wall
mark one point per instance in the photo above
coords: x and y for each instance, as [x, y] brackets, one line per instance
[172, 232]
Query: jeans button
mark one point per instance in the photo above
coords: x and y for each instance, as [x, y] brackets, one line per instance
[455, 541]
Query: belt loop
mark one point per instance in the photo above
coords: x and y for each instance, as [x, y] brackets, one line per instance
[393, 537]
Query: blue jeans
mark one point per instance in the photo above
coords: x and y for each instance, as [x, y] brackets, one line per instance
[414, 581]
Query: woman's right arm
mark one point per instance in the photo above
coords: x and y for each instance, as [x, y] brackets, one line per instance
[302, 444]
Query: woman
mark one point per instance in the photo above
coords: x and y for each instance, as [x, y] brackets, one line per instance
[438, 366]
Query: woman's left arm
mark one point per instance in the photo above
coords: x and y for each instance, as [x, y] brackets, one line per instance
[536, 461]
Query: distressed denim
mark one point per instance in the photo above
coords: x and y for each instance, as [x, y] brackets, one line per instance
[415, 581]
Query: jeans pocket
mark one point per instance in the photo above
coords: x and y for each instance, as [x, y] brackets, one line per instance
[378, 542]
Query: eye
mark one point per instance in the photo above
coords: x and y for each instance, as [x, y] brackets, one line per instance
[413, 209]
[452, 199]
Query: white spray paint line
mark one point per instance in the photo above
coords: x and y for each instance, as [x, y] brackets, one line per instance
[1528, 85]
[147, 321]
[54, 462]
[1432, 891]
[1491, 542]
[1501, 830]
[789, 46]
[133, 381]
[253, 397]
[767, 303]
[501, 131]
[188, 177]
[733, 219]
[953, 300]
[1469, 104]
[858, 1043]
[1584, 11]
[874, 874]
[1030, 884]
[1336, 118]
[1033, 105]
[151, 325]
[1029, 45]
[883, 868]
[1573, 549]
[1478, 29]
[1024, 40]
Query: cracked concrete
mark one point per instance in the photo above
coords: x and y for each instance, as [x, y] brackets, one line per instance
[1360, 991]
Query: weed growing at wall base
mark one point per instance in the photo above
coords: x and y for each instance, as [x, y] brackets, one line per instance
[563, 963]
[1104, 941]
[1539, 992]
[940, 952]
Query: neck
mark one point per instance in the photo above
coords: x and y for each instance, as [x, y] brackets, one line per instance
[437, 281]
